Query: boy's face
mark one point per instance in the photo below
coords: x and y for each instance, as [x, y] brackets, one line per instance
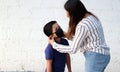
[54, 29]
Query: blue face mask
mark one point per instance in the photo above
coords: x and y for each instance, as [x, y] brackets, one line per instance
[59, 32]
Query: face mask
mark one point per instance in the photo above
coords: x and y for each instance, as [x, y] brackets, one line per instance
[59, 32]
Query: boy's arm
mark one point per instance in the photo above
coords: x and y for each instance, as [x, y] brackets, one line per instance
[68, 61]
[49, 65]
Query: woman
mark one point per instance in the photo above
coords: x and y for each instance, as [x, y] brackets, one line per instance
[86, 32]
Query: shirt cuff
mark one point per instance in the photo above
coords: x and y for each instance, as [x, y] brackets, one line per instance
[54, 45]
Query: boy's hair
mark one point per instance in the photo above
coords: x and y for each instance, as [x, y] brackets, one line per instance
[48, 28]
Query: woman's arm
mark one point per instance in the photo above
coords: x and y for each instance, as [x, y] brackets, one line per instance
[80, 35]
[49, 65]
[68, 62]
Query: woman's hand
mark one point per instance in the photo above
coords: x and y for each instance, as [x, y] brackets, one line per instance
[51, 39]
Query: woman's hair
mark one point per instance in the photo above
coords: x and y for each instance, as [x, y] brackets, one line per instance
[76, 11]
[48, 28]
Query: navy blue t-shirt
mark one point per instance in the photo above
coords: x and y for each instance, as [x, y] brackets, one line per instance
[58, 59]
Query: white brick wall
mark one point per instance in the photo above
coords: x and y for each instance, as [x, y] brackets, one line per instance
[22, 41]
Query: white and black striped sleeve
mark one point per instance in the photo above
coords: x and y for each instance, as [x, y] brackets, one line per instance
[80, 35]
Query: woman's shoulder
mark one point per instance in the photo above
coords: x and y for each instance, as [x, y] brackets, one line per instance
[88, 20]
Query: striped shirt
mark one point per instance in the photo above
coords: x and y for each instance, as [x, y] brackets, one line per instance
[89, 36]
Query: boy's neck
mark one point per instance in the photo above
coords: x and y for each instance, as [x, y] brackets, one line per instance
[58, 39]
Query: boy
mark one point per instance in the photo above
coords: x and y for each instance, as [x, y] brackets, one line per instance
[55, 61]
